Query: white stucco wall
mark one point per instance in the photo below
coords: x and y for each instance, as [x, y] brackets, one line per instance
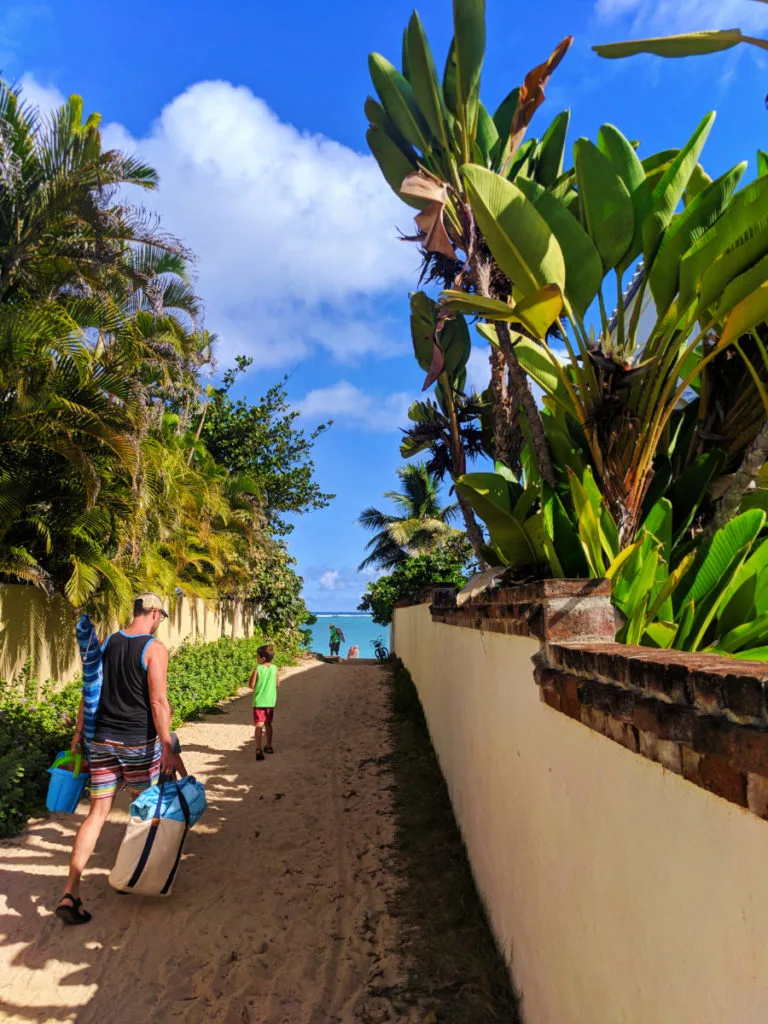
[32, 624]
[618, 892]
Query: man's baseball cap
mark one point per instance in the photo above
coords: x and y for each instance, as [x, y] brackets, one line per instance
[149, 603]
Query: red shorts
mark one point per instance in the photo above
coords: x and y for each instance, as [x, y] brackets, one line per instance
[263, 716]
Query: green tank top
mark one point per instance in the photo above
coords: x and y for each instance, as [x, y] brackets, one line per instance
[265, 690]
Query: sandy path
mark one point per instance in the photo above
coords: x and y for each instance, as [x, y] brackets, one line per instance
[278, 915]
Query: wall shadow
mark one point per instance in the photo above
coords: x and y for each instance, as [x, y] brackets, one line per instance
[33, 625]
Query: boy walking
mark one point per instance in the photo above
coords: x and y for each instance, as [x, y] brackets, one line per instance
[264, 683]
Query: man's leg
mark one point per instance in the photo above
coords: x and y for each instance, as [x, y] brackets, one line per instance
[268, 729]
[85, 842]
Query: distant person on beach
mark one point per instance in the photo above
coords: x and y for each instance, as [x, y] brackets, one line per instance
[354, 652]
[337, 638]
[132, 745]
[264, 683]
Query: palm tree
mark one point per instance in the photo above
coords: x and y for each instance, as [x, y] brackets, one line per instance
[420, 528]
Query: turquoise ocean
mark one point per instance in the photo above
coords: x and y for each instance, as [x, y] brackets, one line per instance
[357, 629]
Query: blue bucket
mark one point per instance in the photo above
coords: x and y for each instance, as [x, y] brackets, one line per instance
[66, 785]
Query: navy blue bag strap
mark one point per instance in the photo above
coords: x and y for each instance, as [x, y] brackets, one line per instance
[187, 818]
[149, 842]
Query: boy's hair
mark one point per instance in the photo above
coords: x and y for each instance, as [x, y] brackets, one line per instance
[266, 652]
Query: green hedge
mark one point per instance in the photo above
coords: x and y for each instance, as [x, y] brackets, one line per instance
[32, 731]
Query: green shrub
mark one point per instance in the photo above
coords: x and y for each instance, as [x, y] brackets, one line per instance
[33, 731]
[444, 565]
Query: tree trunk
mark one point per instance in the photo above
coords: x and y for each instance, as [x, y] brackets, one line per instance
[459, 465]
[474, 533]
[506, 424]
[519, 382]
[754, 458]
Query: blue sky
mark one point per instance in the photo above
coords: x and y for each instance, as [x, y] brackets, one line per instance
[252, 114]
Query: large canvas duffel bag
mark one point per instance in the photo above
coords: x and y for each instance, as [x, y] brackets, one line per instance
[151, 849]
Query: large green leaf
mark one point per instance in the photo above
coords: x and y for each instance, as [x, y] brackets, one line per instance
[741, 288]
[536, 312]
[587, 526]
[762, 163]
[549, 163]
[492, 487]
[729, 539]
[625, 160]
[609, 535]
[745, 219]
[507, 534]
[426, 85]
[669, 191]
[755, 654]
[423, 318]
[583, 267]
[563, 535]
[686, 45]
[606, 203]
[487, 135]
[729, 549]
[744, 636]
[394, 165]
[684, 231]
[397, 96]
[450, 80]
[659, 523]
[503, 121]
[519, 238]
[750, 313]
[457, 346]
[469, 34]
[740, 604]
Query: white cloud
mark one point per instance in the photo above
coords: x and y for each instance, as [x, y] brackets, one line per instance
[670, 16]
[295, 233]
[330, 580]
[45, 97]
[348, 404]
[479, 368]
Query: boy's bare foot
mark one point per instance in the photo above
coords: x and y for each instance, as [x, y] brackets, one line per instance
[268, 750]
[259, 755]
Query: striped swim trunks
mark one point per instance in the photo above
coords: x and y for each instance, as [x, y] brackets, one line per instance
[114, 765]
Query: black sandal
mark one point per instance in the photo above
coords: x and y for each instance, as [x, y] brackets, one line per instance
[268, 750]
[259, 756]
[73, 914]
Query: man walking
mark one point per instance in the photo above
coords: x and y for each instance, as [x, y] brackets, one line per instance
[132, 745]
[336, 639]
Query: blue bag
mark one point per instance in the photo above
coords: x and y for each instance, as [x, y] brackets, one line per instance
[171, 800]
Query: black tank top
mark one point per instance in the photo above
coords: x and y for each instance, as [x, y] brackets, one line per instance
[125, 713]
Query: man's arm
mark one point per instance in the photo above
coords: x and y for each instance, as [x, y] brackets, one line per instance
[254, 677]
[157, 680]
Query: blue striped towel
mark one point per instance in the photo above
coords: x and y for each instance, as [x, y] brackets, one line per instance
[90, 651]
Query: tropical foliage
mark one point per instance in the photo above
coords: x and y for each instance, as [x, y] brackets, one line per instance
[421, 526]
[687, 44]
[651, 434]
[112, 478]
[450, 563]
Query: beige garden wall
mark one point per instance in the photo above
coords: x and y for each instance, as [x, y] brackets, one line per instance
[619, 892]
[32, 624]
